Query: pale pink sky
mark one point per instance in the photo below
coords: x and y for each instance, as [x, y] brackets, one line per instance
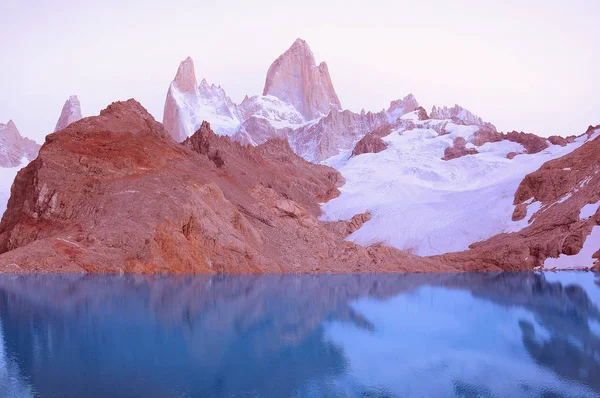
[525, 65]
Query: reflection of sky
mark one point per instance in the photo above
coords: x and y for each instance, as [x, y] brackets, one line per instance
[436, 341]
[586, 280]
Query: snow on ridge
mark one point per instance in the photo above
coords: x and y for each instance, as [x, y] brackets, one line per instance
[425, 205]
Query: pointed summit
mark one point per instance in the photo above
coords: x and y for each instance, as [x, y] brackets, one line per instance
[402, 106]
[295, 78]
[14, 147]
[185, 79]
[71, 112]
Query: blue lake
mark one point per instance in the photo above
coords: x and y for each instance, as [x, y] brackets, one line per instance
[436, 335]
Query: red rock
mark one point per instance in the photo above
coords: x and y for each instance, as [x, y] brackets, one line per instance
[372, 142]
[557, 140]
[458, 149]
[531, 142]
[114, 193]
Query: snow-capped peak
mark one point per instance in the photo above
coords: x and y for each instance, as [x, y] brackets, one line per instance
[14, 148]
[402, 106]
[188, 104]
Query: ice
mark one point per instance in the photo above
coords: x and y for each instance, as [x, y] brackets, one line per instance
[425, 205]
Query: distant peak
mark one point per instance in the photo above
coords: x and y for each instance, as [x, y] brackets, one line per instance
[300, 43]
[120, 108]
[185, 79]
[402, 106]
[71, 112]
[11, 124]
[458, 113]
[295, 78]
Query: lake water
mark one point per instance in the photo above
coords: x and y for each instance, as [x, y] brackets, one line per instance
[458, 335]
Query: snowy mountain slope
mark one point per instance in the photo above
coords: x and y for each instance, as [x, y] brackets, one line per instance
[426, 205]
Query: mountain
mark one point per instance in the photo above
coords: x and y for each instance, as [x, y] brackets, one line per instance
[71, 112]
[188, 104]
[15, 152]
[460, 115]
[298, 103]
[14, 148]
[296, 79]
[114, 193]
[556, 209]
[434, 186]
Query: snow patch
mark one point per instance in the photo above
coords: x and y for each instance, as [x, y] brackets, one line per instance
[421, 203]
[588, 210]
[532, 208]
[583, 259]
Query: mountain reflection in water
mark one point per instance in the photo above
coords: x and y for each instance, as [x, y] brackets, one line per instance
[463, 335]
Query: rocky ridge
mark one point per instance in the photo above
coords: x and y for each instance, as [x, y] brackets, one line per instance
[114, 193]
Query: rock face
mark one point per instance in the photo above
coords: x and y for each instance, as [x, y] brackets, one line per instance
[531, 142]
[458, 114]
[115, 193]
[295, 78]
[13, 147]
[562, 198]
[188, 104]
[372, 142]
[298, 103]
[458, 149]
[403, 106]
[71, 112]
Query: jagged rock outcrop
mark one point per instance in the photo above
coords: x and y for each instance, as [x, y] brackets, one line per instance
[114, 193]
[372, 142]
[403, 106]
[458, 114]
[188, 104]
[531, 142]
[295, 78]
[71, 112]
[566, 193]
[14, 148]
[335, 133]
[299, 103]
[458, 149]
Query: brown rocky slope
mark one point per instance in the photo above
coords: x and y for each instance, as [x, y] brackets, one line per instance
[115, 193]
